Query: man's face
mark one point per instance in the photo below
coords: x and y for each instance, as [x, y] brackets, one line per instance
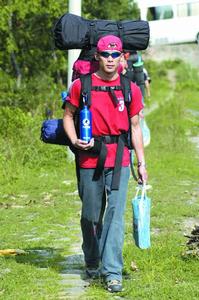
[109, 60]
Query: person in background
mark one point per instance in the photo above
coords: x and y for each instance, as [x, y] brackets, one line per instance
[133, 68]
[147, 81]
[103, 242]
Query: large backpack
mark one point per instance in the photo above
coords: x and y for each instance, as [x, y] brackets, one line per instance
[74, 32]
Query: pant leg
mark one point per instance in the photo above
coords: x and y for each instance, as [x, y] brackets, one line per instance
[92, 194]
[112, 238]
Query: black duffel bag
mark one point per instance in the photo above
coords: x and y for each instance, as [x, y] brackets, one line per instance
[74, 32]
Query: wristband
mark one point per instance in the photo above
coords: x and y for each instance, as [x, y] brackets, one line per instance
[141, 164]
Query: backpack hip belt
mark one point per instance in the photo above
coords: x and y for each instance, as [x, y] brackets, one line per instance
[101, 150]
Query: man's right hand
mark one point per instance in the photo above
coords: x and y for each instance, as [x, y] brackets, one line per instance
[83, 145]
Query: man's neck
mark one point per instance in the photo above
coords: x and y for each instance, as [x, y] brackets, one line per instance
[107, 76]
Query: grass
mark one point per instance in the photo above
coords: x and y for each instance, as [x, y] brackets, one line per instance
[37, 216]
[40, 212]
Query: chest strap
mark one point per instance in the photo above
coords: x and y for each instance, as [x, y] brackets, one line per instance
[109, 89]
[104, 88]
[101, 150]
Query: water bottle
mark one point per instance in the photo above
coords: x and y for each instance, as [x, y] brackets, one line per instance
[63, 96]
[85, 122]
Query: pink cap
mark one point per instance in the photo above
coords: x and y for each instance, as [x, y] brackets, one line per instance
[109, 42]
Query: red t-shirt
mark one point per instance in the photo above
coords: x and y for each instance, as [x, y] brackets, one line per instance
[107, 119]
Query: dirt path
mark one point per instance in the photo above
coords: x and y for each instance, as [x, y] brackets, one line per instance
[186, 52]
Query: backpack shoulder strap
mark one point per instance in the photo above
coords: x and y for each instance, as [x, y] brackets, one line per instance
[86, 84]
[126, 88]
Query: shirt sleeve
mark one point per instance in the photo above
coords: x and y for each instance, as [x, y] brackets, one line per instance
[136, 104]
[74, 93]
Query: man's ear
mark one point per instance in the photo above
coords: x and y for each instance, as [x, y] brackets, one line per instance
[96, 56]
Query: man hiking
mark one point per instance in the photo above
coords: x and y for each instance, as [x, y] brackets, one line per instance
[102, 224]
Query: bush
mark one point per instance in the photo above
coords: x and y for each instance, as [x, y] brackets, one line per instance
[20, 144]
[33, 95]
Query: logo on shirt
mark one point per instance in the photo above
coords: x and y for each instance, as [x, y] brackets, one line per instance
[121, 104]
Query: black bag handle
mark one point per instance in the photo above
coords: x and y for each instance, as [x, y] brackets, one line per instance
[86, 83]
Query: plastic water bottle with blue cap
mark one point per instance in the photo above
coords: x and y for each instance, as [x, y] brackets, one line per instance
[64, 94]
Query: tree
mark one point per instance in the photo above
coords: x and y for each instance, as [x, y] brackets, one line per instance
[110, 10]
[26, 34]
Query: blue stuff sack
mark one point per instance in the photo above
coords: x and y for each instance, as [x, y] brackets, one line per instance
[52, 132]
[141, 206]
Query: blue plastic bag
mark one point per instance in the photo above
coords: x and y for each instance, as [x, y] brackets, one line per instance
[145, 132]
[141, 206]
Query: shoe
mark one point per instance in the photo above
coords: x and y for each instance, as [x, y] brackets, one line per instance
[114, 286]
[93, 273]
